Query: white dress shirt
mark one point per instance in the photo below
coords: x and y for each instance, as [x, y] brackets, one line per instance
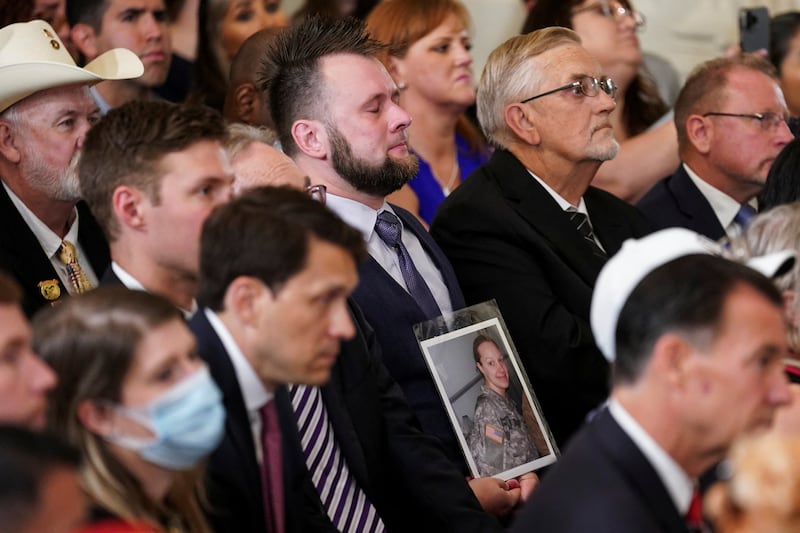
[679, 486]
[363, 219]
[134, 285]
[724, 207]
[254, 393]
[50, 242]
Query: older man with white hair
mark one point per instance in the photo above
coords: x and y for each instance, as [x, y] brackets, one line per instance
[50, 243]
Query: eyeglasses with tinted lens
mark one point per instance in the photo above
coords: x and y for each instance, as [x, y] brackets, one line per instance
[767, 121]
[318, 193]
[617, 11]
[586, 85]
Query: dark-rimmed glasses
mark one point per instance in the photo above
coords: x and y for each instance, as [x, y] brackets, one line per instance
[767, 121]
[586, 85]
[618, 13]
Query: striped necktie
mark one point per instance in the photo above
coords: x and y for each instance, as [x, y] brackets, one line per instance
[583, 226]
[344, 501]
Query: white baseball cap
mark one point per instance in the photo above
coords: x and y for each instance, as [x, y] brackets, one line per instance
[33, 58]
[638, 257]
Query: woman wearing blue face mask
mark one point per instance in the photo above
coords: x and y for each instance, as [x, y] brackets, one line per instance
[134, 398]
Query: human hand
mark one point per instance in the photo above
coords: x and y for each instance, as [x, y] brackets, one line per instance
[527, 482]
[495, 495]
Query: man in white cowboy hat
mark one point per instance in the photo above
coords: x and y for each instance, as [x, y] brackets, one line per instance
[138, 25]
[50, 243]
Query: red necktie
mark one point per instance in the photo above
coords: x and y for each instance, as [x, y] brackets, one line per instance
[694, 516]
[271, 471]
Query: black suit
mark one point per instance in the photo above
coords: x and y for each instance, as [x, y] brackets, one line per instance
[676, 201]
[603, 484]
[402, 471]
[23, 258]
[508, 239]
[392, 312]
[234, 476]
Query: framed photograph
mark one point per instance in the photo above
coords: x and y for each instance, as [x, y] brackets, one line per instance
[486, 392]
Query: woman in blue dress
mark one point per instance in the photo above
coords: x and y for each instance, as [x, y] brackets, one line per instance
[429, 59]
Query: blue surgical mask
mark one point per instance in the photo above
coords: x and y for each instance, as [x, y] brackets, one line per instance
[188, 422]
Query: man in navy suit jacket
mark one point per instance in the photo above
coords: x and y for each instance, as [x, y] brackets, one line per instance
[276, 272]
[698, 343]
[341, 123]
[730, 120]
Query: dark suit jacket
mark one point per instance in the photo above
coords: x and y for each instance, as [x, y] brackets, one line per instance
[23, 258]
[603, 484]
[508, 239]
[676, 201]
[392, 312]
[234, 476]
[402, 471]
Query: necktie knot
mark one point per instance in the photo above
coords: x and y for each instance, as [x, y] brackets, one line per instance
[388, 228]
[694, 516]
[584, 227]
[744, 215]
[68, 255]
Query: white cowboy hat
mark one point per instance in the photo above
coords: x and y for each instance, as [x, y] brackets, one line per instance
[33, 58]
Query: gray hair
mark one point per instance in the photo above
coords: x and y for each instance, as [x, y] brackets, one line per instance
[510, 74]
[772, 231]
[240, 136]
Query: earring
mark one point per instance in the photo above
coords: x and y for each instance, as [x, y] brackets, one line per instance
[401, 85]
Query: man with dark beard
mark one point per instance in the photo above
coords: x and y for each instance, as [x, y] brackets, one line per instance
[50, 243]
[336, 114]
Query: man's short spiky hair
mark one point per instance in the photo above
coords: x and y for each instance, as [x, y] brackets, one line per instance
[289, 71]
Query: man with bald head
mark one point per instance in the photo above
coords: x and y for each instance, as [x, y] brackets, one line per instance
[50, 243]
[245, 102]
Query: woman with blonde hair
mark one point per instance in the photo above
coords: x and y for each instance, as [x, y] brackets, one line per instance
[428, 56]
[135, 400]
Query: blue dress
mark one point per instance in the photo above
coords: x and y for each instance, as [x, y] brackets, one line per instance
[429, 192]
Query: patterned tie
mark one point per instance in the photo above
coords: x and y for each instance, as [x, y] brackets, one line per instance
[581, 222]
[77, 277]
[744, 215]
[388, 228]
[345, 502]
[271, 470]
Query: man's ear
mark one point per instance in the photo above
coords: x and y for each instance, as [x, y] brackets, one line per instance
[244, 103]
[126, 203]
[8, 143]
[95, 418]
[85, 40]
[311, 138]
[242, 299]
[520, 121]
[700, 132]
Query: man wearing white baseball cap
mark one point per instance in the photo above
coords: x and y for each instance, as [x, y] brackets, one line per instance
[50, 243]
[697, 343]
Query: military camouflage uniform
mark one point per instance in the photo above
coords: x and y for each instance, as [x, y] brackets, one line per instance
[499, 440]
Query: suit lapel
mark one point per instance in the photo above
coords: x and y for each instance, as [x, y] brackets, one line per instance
[535, 205]
[237, 423]
[694, 205]
[637, 471]
[435, 253]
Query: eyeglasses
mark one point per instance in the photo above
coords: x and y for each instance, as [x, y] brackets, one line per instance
[618, 13]
[586, 85]
[318, 193]
[767, 121]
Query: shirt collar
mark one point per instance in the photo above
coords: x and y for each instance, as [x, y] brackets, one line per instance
[679, 486]
[254, 393]
[48, 240]
[723, 205]
[356, 214]
[133, 284]
[562, 203]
